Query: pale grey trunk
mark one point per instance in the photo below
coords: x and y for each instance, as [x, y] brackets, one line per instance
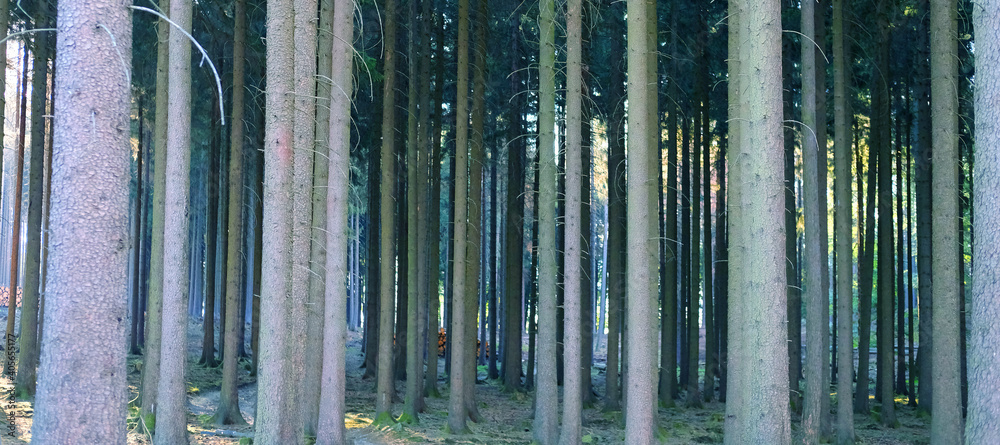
[88, 312]
[946, 423]
[757, 402]
[983, 422]
[171, 412]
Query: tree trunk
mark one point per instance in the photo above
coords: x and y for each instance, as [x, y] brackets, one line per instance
[572, 420]
[946, 423]
[881, 126]
[457, 409]
[87, 272]
[228, 412]
[434, 280]
[983, 421]
[514, 224]
[812, 409]
[842, 229]
[384, 387]
[171, 417]
[208, 272]
[757, 407]
[274, 422]
[330, 428]
[546, 422]
[25, 380]
[15, 243]
[415, 194]
[640, 412]
[315, 306]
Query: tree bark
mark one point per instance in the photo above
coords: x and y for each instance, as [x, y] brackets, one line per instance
[946, 423]
[274, 422]
[171, 417]
[983, 421]
[25, 380]
[842, 228]
[757, 404]
[572, 414]
[546, 422]
[640, 412]
[228, 412]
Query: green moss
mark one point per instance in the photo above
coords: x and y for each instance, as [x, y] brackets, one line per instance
[407, 419]
[383, 419]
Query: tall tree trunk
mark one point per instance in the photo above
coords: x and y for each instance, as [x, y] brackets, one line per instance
[424, 232]
[881, 126]
[842, 229]
[546, 422]
[711, 364]
[274, 422]
[572, 420]
[757, 407]
[640, 409]
[25, 379]
[171, 412]
[866, 261]
[514, 224]
[812, 410]
[258, 248]
[316, 304]
[476, 161]
[211, 237]
[330, 429]
[384, 387]
[415, 192]
[434, 280]
[15, 243]
[304, 149]
[668, 275]
[983, 421]
[88, 404]
[900, 259]
[228, 412]
[946, 423]
[457, 409]
[373, 279]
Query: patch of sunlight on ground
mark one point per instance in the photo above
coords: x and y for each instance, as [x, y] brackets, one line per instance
[355, 420]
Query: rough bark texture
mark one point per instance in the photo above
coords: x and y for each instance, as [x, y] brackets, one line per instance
[273, 424]
[457, 410]
[811, 189]
[477, 159]
[842, 198]
[881, 127]
[303, 149]
[434, 281]
[154, 298]
[330, 429]
[983, 421]
[387, 198]
[571, 431]
[171, 417]
[88, 311]
[757, 406]
[514, 226]
[640, 411]
[946, 422]
[315, 306]
[228, 412]
[25, 379]
[414, 360]
[546, 422]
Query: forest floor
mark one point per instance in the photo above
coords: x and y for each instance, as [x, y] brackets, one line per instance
[506, 416]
